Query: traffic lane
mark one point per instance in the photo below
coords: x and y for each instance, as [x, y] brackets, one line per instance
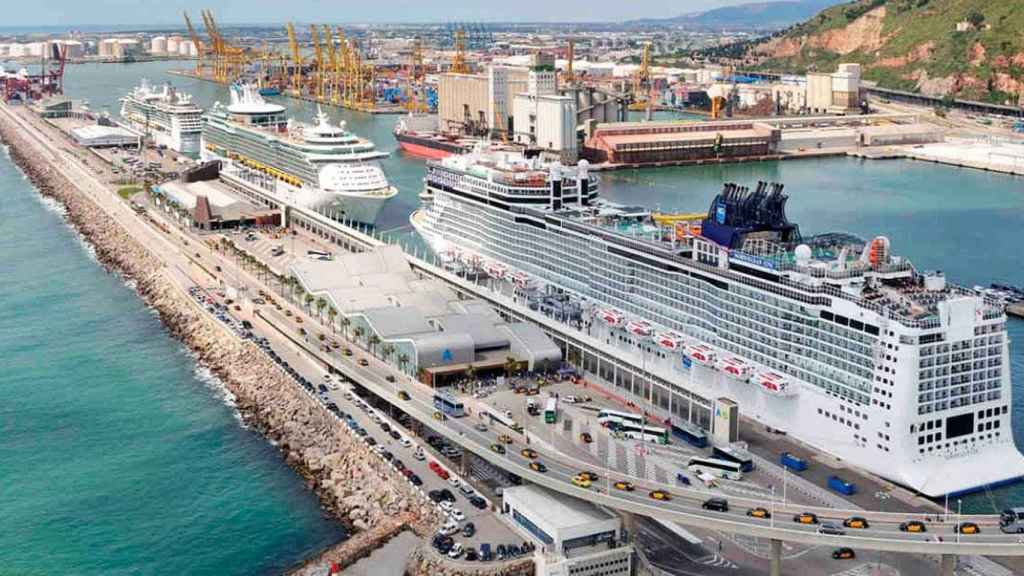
[693, 508]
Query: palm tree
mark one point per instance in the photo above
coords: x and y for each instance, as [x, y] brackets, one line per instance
[320, 304]
[332, 313]
[510, 366]
[309, 300]
[403, 361]
[345, 323]
[470, 373]
[373, 340]
[358, 332]
[386, 351]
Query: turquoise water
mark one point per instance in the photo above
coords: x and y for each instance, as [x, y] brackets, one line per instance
[965, 222]
[116, 455]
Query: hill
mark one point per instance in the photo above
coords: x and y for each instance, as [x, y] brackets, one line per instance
[752, 16]
[970, 49]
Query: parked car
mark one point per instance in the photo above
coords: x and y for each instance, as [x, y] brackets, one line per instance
[716, 504]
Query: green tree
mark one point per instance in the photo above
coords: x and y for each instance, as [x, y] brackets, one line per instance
[345, 323]
[332, 313]
[372, 341]
[403, 361]
[975, 18]
[309, 299]
[386, 351]
[321, 303]
[358, 332]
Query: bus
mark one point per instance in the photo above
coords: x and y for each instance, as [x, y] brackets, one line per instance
[643, 432]
[606, 417]
[504, 419]
[1011, 521]
[735, 454]
[720, 468]
[448, 405]
[551, 410]
[318, 255]
[691, 433]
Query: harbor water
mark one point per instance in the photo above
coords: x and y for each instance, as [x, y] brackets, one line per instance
[965, 222]
[117, 454]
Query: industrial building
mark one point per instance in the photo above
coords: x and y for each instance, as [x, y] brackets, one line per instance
[420, 324]
[837, 93]
[573, 536]
[478, 104]
[542, 118]
[97, 136]
[639, 143]
[213, 208]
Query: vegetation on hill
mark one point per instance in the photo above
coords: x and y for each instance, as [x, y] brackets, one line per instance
[971, 49]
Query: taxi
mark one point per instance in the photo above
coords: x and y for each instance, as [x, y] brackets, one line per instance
[966, 528]
[497, 448]
[856, 522]
[806, 518]
[581, 481]
[660, 495]
[624, 485]
[913, 526]
[586, 438]
[589, 475]
[538, 467]
[505, 439]
[528, 453]
[759, 513]
[843, 554]
[403, 395]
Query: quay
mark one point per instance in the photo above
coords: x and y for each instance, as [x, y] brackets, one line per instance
[371, 376]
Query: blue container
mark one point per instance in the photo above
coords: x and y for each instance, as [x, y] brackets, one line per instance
[842, 486]
[792, 462]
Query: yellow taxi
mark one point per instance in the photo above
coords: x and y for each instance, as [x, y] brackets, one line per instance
[505, 439]
[759, 513]
[856, 522]
[538, 467]
[439, 416]
[589, 475]
[660, 495]
[806, 518]
[348, 351]
[967, 528]
[581, 481]
[497, 448]
[364, 362]
[528, 453]
[913, 526]
[843, 554]
[624, 485]
[402, 394]
[586, 438]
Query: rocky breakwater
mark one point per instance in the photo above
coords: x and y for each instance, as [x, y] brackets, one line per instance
[353, 483]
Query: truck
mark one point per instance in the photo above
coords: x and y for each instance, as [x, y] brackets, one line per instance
[842, 486]
[792, 462]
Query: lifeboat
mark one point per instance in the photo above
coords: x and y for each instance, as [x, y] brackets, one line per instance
[495, 269]
[775, 384]
[639, 328]
[735, 368]
[669, 340]
[521, 279]
[701, 354]
[611, 317]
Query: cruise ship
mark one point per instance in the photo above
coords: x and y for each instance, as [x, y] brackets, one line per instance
[834, 341]
[165, 115]
[321, 166]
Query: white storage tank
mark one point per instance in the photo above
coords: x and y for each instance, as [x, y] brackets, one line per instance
[173, 44]
[158, 45]
[106, 47]
[186, 48]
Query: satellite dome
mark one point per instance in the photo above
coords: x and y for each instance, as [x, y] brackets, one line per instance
[803, 254]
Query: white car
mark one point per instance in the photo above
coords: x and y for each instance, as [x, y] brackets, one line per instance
[449, 528]
[569, 399]
[446, 506]
[405, 442]
[419, 455]
[456, 515]
[454, 481]
[456, 551]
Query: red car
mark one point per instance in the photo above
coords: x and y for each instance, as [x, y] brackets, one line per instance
[441, 472]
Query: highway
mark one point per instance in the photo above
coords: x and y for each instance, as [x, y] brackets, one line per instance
[685, 505]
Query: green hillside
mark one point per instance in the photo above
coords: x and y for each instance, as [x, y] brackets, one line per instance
[913, 45]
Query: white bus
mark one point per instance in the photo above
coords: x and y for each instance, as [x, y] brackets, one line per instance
[720, 468]
[606, 417]
[643, 432]
[497, 417]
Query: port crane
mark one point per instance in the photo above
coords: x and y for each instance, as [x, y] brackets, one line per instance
[459, 65]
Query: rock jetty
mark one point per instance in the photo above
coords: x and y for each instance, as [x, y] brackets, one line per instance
[355, 485]
[425, 561]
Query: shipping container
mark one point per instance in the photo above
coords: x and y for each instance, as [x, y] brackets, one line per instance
[842, 486]
[792, 462]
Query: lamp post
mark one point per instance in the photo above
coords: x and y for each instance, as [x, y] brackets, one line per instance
[959, 520]
[771, 516]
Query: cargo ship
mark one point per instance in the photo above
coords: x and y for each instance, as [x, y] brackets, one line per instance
[321, 166]
[418, 135]
[836, 341]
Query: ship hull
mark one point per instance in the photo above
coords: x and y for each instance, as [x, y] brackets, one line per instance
[427, 147]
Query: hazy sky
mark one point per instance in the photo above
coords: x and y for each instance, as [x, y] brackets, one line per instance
[99, 12]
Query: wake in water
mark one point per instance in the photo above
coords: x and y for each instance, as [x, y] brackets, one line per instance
[217, 387]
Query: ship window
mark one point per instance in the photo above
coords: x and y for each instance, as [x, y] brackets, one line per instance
[961, 425]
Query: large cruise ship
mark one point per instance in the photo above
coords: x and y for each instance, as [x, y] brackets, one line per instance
[320, 166]
[167, 116]
[837, 342]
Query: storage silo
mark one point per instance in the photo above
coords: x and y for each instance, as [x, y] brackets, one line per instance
[158, 45]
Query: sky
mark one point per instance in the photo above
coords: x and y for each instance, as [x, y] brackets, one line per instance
[160, 12]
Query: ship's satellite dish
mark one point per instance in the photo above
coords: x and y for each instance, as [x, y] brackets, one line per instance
[803, 254]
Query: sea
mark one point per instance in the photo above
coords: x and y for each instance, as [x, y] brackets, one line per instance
[118, 455]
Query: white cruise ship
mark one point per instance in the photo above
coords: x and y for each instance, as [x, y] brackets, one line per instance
[319, 166]
[167, 116]
[836, 342]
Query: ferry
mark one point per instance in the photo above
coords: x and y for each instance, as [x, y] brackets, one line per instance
[321, 166]
[735, 368]
[774, 383]
[701, 354]
[810, 312]
[170, 118]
